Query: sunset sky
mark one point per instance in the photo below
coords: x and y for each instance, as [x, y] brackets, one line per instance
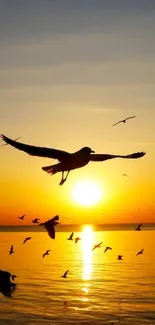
[69, 70]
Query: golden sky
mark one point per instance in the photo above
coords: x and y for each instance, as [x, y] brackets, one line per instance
[67, 74]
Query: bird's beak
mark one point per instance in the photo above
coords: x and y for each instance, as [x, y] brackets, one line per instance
[92, 151]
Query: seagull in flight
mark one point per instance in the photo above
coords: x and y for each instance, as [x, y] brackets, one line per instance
[50, 226]
[138, 228]
[66, 161]
[36, 220]
[11, 251]
[77, 239]
[22, 217]
[124, 121]
[65, 274]
[25, 240]
[5, 144]
[140, 252]
[71, 236]
[119, 257]
[97, 246]
[125, 175]
[46, 253]
[106, 249]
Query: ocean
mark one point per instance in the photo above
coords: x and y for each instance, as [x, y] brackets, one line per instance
[99, 289]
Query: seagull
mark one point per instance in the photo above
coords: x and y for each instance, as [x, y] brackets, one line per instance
[22, 217]
[140, 252]
[46, 253]
[6, 286]
[13, 276]
[71, 236]
[11, 251]
[77, 239]
[65, 274]
[49, 225]
[67, 161]
[119, 257]
[97, 246]
[5, 144]
[124, 121]
[25, 240]
[125, 175]
[36, 220]
[139, 227]
[106, 249]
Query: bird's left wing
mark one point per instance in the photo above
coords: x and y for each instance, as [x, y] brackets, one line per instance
[117, 123]
[128, 118]
[37, 151]
[102, 157]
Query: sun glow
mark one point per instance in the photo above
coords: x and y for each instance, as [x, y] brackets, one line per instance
[86, 193]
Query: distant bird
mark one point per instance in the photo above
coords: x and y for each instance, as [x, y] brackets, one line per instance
[97, 246]
[71, 236]
[36, 220]
[124, 121]
[13, 276]
[140, 252]
[50, 226]
[26, 239]
[67, 161]
[139, 227]
[46, 253]
[5, 144]
[65, 274]
[77, 239]
[119, 257]
[22, 217]
[106, 249]
[125, 175]
[11, 251]
[6, 286]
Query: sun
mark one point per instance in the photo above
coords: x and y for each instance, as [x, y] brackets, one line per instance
[86, 193]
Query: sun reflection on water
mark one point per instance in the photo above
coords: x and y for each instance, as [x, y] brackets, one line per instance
[87, 243]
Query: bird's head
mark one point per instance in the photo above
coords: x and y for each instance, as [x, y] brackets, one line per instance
[87, 150]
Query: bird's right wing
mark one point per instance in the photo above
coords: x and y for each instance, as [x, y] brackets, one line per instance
[128, 118]
[102, 157]
[37, 151]
[117, 123]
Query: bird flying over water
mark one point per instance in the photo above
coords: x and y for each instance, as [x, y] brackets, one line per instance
[46, 253]
[36, 220]
[6, 286]
[67, 161]
[97, 246]
[124, 121]
[13, 276]
[106, 249]
[65, 274]
[77, 239]
[50, 226]
[22, 217]
[26, 239]
[139, 227]
[119, 257]
[71, 236]
[11, 251]
[140, 252]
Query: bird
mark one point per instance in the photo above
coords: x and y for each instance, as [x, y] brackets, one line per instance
[6, 286]
[67, 161]
[5, 144]
[119, 257]
[140, 252]
[11, 251]
[22, 217]
[106, 249]
[46, 253]
[36, 220]
[77, 239]
[26, 239]
[49, 226]
[138, 228]
[71, 236]
[97, 246]
[65, 274]
[124, 121]
[13, 276]
[125, 175]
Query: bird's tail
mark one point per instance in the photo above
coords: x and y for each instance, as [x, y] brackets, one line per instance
[53, 169]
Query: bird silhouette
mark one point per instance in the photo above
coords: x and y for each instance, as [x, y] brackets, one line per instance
[65, 274]
[50, 226]
[13, 276]
[124, 121]
[71, 236]
[6, 286]
[106, 249]
[22, 217]
[97, 246]
[36, 220]
[46, 253]
[119, 257]
[5, 144]
[67, 161]
[140, 252]
[26, 239]
[11, 251]
[77, 239]
[138, 228]
[125, 175]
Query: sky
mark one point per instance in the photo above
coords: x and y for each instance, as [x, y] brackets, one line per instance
[68, 71]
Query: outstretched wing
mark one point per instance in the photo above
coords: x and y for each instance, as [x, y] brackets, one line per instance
[128, 118]
[117, 122]
[37, 151]
[102, 157]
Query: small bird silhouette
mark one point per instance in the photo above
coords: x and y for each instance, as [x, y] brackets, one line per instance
[71, 236]
[140, 252]
[138, 228]
[46, 253]
[124, 121]
[26, 239]
[106, 249]
[97, 246]
[5, 144]
[119, 257]
[49, 226]
[11, 251]
[22, 217]
[36, 220]
[13, 276]
[65, 274]
[77, 239]
[125, 175]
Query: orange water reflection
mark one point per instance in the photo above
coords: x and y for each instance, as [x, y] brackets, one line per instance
[87, 243]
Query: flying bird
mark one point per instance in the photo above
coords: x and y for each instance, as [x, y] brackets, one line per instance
[46, 253]
[65, 274]
[22, 217]
[11, 251]
[119, 257]
[125, 175]
[6, 286]
[71, 236]
[5, 144]
[96, 246]
[67, 161]
[26, 239]
[50, 226]
[124, 121]
[140, 252]
[138, 228]
[13, 276]
[36, 220]
[77, 239]
[106, 249]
